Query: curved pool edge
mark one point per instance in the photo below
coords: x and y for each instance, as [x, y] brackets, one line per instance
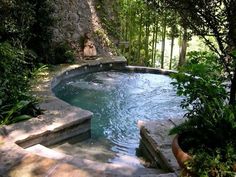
[47, 128]
[141, 69]
[58, 115]
[59, 120]
[102, 64]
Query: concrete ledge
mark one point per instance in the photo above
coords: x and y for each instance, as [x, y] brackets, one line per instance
[156, 143]
[100, 64]
[141, 69]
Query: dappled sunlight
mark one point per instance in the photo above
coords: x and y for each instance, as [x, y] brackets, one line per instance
[127, 160]
[94, 17]
[32, 166]
[87, 150]
[55, 112]
[45, 152]
[54, 125]
[33, 126]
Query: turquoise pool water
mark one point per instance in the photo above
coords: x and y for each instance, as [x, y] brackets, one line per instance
[118, 100]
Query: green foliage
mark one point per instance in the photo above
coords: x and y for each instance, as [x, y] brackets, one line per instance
[63, 53]
[205, 165]
[141, 29]
[210, 124]
[108, 12]
[205, 59]
[137, 23]
[15, 102]
[13, 27]
[205, 18]
[200, 79]
[13, 114]
[41, 30]
[26, 23]
[208, 119]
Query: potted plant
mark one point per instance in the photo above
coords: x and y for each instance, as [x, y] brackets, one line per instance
[208, 133]
[209, 130]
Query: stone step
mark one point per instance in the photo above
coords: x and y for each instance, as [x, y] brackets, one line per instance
[108, 169]
[156, 143]
[161, 175]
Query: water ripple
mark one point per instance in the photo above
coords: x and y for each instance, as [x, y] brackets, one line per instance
[118, 100]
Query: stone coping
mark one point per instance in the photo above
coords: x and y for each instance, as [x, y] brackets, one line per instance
[58, 115]
[156, 143]
[141, 69]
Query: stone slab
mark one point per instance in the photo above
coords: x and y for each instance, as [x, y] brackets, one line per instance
[10, 155]
[157, 142]
[149, 70]
[161, 175]
[43, 151]
[44, 125]
[89, 165]
[67, 170]
[33, 165]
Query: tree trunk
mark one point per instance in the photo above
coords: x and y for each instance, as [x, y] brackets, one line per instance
[147, 44]
[130, 37]
[171, 51]
[153, 45]
[140, 38]
[183, 49]
[163, 43]
[232, 100]
[232, 34]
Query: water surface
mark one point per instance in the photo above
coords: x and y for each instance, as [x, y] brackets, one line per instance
[118, 100]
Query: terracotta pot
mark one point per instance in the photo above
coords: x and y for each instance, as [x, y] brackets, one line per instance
[179, 154]
[181, 157]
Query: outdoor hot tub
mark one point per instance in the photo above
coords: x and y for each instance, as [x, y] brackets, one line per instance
[118, 96]
[89, 123]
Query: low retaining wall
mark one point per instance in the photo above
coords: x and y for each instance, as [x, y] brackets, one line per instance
[155, 144]
[60, 120]
[139, 69]
[116, 63]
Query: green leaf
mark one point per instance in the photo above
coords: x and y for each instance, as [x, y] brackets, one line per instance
[21, 118]
[16, 108]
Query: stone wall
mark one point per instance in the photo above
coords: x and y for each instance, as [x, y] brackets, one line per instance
[74, 18]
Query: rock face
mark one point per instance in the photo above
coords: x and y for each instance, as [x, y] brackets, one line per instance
[75, 18]
[72, 19]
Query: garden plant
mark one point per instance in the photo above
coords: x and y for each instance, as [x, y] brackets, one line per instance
[208, 83]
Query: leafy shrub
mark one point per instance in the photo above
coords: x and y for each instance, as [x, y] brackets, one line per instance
[27, 23]
[25, 35]
[15, 101]
[210, 124]
[63, 53]
[42, 29]
[213, 165]
[13, 27]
